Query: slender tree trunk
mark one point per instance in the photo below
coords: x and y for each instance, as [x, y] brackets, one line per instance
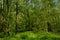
[16, 17]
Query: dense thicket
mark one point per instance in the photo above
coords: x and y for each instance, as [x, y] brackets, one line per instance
[29, 15]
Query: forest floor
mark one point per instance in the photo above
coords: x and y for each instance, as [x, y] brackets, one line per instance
[33, 36]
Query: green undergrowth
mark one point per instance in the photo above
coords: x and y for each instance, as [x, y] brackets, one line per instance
[33, 36]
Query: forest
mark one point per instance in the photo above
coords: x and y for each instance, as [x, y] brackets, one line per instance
[29, 19]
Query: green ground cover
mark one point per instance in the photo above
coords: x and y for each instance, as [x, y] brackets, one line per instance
[33, 36]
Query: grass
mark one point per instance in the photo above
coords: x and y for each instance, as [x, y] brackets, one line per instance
[33, 36]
